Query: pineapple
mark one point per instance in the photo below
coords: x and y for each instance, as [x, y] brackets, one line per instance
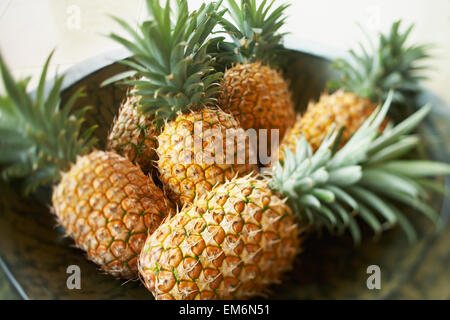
[252, 90]
[230, 244]
[189, 170]
[361, 88]
[241, 237]
[344, 109]
[134, 135]
[104, 202]
[178, 86]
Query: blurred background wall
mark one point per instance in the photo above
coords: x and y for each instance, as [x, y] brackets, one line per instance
[30, 29]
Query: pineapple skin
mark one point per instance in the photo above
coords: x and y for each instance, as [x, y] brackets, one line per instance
[186, 171]
[134, 135]
[231, 244]
[345, 109]
[108, 206]
[258, 97]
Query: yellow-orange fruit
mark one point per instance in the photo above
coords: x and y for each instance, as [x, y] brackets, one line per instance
[189, 165]
[231, 244]
[134, 135]
[108, 206]
[346, 109]
[258, 97]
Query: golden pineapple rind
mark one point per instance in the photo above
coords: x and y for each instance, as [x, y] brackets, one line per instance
[188, 171]
[107, 205]
[134, 135]
[258, 97]
[345, 109]
[232, 244]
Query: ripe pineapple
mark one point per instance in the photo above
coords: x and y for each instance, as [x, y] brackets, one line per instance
[253, 90]
[241, 237]
[361, 88]
[180, 94]
[104, 202]
[230, 244]
[134, 135]
[189, 170]
[344, 109]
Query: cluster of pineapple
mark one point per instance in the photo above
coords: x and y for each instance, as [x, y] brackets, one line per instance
[211, 228]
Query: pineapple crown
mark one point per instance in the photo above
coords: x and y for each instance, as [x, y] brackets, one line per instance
[172, 69]
[254, 33]
[367, 177]
[39, 137]
[391, 65]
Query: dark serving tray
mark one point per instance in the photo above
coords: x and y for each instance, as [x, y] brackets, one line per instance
[34, 253]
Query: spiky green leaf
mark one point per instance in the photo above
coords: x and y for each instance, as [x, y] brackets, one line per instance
[393, 64]
[255, 30]
[368, 177]
[39, 137]
[169, 54]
